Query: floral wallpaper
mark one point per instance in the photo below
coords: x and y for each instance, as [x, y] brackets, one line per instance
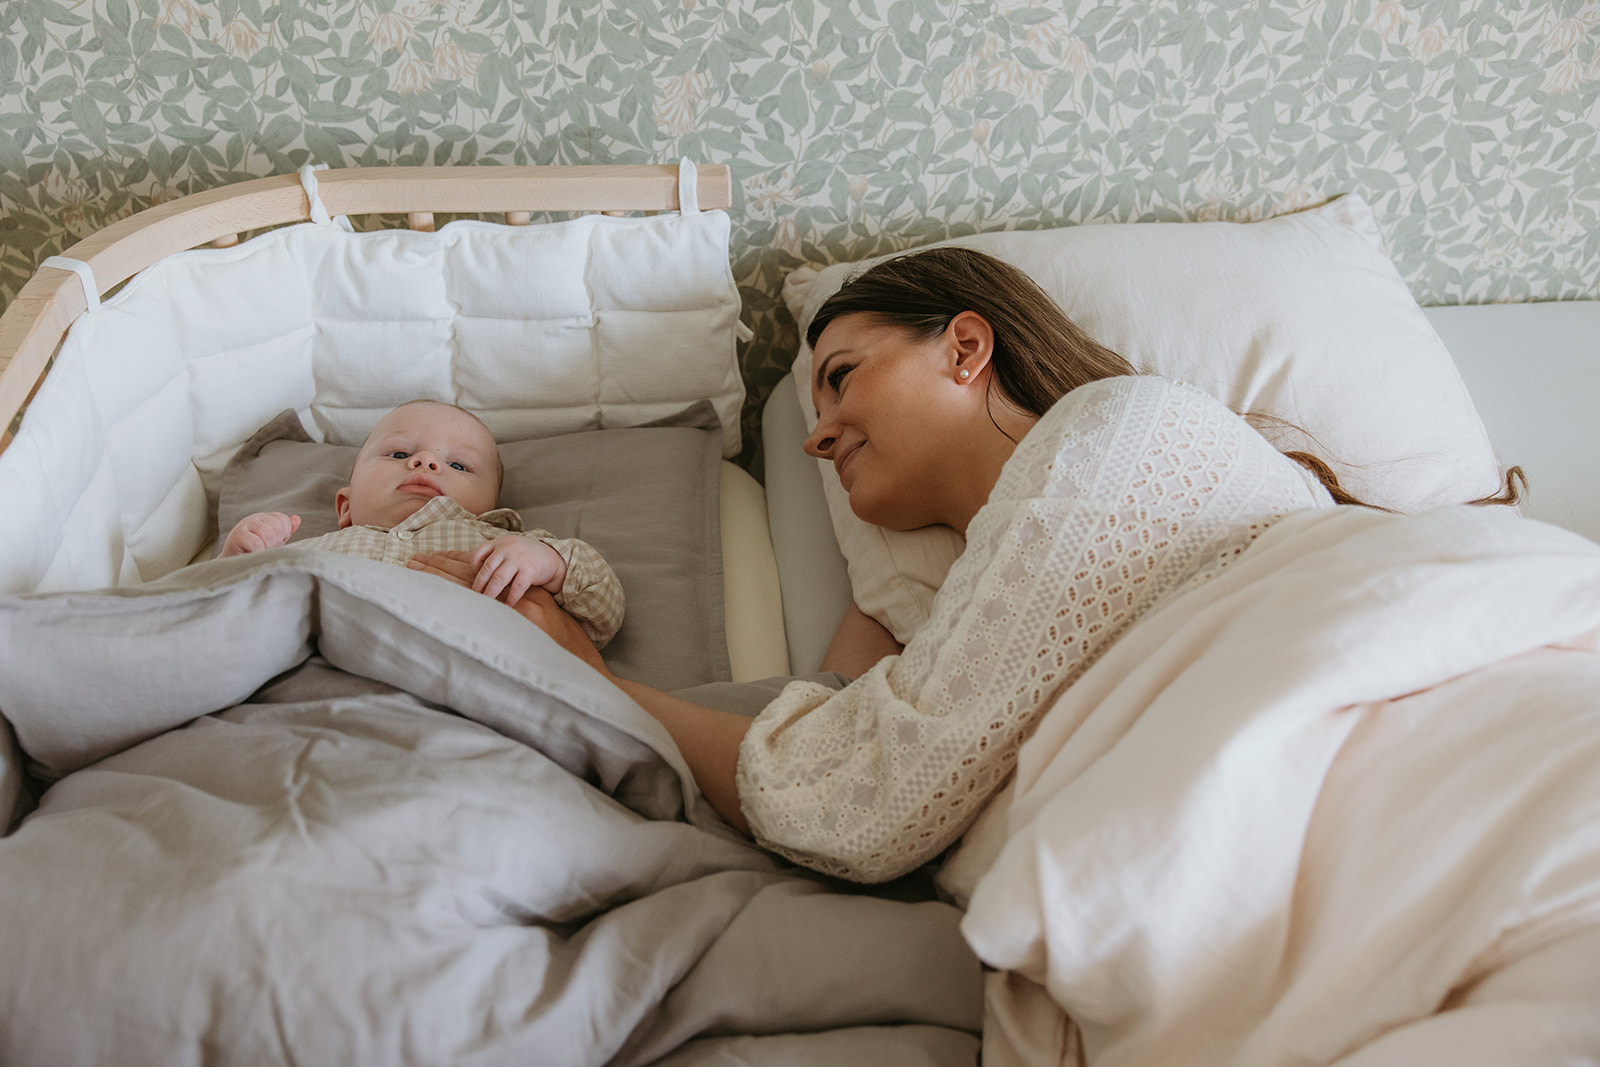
[852, 126]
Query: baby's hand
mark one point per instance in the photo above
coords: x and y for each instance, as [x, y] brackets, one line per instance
[259, 532]
[507, 567]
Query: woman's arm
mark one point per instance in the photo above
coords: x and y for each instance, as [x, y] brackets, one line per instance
[708, 739]
[859, 643]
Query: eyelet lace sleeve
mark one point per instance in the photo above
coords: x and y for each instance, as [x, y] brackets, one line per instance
[1126, 492]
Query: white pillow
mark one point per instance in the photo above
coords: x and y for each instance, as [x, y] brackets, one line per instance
[1302, 316]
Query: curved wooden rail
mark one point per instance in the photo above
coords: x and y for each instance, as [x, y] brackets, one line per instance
[35, 322]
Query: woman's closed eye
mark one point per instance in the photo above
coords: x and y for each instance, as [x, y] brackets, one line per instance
[836, 375]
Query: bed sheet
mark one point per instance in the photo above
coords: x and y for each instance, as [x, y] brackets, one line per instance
[311, 808]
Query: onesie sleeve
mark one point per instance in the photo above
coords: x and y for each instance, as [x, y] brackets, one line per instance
[591, 592]
[1124, 491]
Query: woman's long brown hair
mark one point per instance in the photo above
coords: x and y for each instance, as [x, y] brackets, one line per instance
[1040, 354]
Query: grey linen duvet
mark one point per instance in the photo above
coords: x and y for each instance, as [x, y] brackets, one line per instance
[311, 809]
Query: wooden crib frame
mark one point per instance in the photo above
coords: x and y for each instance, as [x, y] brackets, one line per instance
[34, 324]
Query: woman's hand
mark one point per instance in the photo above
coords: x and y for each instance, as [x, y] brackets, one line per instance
[541, 609]
[708, 739]
[537, 605]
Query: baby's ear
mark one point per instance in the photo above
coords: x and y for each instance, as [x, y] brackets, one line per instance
[341, 504]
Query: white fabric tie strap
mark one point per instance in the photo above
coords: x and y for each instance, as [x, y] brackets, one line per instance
[688, 185]
[689, 204]
[319, 210]
[91, 291]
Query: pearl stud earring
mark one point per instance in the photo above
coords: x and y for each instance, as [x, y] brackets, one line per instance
[963, 374]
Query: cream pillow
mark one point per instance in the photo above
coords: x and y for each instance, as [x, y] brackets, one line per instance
[1302, 316]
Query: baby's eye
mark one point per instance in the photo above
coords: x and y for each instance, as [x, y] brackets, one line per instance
[399, 454]
[836, 375]
[458, 466]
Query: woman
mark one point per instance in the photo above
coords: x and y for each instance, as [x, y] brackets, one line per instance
[950, 389]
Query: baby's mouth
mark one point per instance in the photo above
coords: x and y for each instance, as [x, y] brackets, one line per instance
[425, 486]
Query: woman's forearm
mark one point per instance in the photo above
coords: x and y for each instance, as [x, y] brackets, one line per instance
[709, 741]
[858, 644]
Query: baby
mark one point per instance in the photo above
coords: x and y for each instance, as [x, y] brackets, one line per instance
[427, 479]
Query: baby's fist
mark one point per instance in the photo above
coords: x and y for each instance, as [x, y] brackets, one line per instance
[259, 532]
[507, 567]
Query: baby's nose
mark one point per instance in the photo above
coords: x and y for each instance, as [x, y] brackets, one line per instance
[424, 459]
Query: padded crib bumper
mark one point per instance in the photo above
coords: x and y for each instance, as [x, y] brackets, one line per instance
[591, 323]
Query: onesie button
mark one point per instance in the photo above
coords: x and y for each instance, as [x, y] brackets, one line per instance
[404, 535]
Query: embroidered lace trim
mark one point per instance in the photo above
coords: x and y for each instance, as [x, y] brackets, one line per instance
[1127, 492]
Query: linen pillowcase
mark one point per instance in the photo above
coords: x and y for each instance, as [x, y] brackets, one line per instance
[647, 498]
[1303, 317]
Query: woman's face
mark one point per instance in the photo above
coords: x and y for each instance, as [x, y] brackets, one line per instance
[887, 418]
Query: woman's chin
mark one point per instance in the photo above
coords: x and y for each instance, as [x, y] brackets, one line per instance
[887, 514]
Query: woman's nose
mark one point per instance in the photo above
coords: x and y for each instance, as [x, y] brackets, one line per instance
[820, 443]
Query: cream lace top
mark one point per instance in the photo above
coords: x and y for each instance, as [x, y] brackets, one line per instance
[1127, 492]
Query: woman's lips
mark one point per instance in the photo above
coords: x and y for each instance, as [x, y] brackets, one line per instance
[844, 459]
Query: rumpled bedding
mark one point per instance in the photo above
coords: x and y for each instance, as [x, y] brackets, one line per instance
[312, 809]
[1339, 805]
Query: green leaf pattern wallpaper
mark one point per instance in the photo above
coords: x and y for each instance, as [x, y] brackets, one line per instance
[852, 127]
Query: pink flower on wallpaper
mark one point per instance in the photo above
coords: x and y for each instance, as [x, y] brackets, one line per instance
[72, 198]
[1075, 56]
[1019, 79]
[451, 61]
[787, 236]
[1430, 42]
[1565, 76]
[1565, 34]
[242, 39]
[1299, 195]
[1389, 19]
[1506, 254]
[1567, 229]
[1045, 36]
[961, 83]
[858, 187]
[765, 194]
[1212, 189]
[675, 101]
[411, 75]
[390, 30]
[182, 15]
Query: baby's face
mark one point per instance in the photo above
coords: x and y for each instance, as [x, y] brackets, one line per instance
[415, 453]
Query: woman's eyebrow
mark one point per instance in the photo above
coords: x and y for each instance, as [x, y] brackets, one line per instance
[822, 368]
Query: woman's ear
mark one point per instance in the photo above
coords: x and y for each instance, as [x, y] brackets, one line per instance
[341, 505]
[971, 346]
